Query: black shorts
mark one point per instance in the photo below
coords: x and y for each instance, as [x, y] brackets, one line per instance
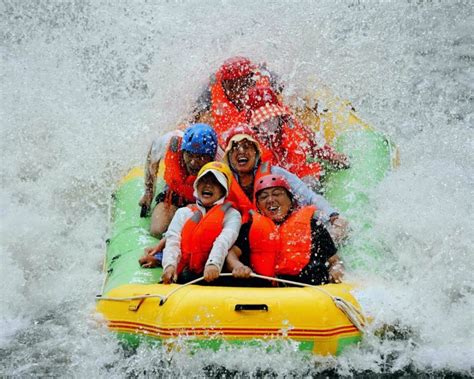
[173, 198]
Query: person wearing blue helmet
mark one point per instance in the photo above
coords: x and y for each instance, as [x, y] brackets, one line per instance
[183, 154]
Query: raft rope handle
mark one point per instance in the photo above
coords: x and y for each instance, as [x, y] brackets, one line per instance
[129, 298]
[353, 314]
[162, 298]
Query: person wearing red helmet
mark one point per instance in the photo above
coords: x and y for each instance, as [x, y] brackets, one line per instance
[284, 239]
[285, 141]
[243, 154]
[223, 101]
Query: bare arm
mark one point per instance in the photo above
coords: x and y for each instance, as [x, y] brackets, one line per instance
[155, 154]
[233, 264]
[151, 168]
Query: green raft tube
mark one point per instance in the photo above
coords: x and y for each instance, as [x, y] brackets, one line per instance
[136, 307]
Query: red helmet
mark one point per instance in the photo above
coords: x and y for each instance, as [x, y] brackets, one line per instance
[239, 129]
[259, 96]
[235, 67]
[238, 133]
[270, 181]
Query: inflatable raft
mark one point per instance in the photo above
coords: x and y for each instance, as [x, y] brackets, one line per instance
[321, 319]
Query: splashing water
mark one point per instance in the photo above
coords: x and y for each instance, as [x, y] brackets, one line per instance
[86, 86]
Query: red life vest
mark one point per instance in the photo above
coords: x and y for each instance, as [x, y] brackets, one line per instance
[287, 245]
[264, 244]
[176, 176]
[293, 150]
[238, 197]
[198, 236]
[224, 113]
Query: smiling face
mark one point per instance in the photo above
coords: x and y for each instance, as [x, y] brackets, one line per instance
[243, 156]
[274, 203]
[194, 162]
[209, 190]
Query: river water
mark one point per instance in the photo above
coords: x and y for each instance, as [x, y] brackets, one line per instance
[86, 85]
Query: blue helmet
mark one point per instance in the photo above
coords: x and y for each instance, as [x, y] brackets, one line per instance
[200, 139]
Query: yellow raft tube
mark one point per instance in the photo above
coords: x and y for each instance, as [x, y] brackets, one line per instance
[322, 319]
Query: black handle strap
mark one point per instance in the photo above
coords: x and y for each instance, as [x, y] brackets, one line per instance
[251, 307]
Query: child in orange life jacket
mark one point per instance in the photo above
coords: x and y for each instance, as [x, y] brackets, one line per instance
[284, 240]
[200, 235]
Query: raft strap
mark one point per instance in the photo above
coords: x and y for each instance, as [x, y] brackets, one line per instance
[354, 315]
[251, 307]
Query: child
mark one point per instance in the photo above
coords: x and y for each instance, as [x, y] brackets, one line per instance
[200, 235]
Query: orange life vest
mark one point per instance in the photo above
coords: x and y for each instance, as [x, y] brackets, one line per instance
[287, 245]
[238, 197]
[293, 151]
[198, 236]
[264, 244]
[176, 176]
[224, 113]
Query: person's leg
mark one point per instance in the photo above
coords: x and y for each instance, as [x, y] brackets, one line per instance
[161, 218]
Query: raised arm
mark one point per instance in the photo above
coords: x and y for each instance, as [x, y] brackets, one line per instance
[155, 154]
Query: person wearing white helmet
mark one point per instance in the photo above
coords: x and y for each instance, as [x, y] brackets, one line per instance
[200, 235]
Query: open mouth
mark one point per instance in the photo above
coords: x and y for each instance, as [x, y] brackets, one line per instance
[242, 160]
[273, 209]
[207, 193]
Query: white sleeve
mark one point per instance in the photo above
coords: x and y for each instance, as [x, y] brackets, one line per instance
[172, 250]
[160, 145]
[225, 240]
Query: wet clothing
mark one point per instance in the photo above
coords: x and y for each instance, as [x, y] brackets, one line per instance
[301, 192]
[224, 113]
[159, 150]
[198, 236]
[283, 248]
[174, 176]
[221, 245]
[294, 144]
[321, 249]
[204, 100]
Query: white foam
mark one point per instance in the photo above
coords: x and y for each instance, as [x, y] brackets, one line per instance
[85, 88]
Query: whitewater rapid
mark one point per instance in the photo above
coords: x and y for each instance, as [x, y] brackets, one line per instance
[85, 87]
